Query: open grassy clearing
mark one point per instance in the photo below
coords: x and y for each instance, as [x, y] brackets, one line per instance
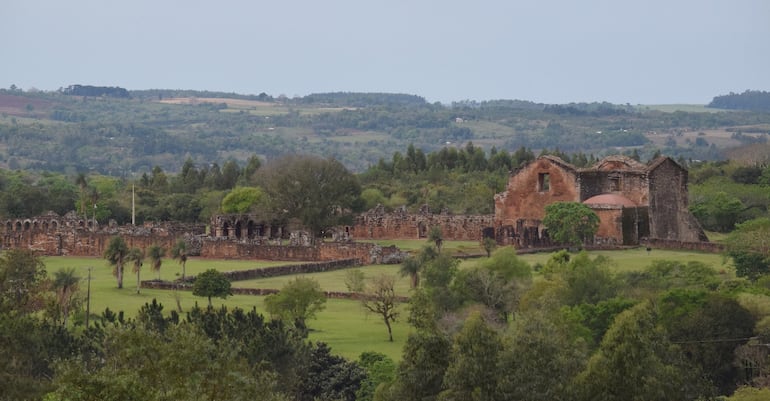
[344, 325]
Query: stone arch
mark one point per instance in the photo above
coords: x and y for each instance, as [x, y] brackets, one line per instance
[8, 226]
[422, 230]
[27, 225]
[54, 225]
[250, 229]
[238, 229]
[18, 226]
[45, 226]
[35, 225]
[225, 229]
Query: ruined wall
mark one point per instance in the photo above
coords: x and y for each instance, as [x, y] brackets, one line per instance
[669, 215]
[633, 185]
[365, 253]
[527, 194]
[70, 235]
[377, 224]
[610, 230]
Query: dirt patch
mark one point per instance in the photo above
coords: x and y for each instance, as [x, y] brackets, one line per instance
[21, 105]
[239, 103]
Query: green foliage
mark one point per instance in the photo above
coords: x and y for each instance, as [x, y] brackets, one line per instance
[636, 362]
[181, 363]
[318, 192]
[330, 377]
[211, 283]
[379, 369]
[709, 328]
[299, 300]
[497, 282]
[437, 276]
[241, 199]
[354, 280]
[471, 373]
[116, 253]
[570, 223]
[749, 246]
[420, 374]
[719, 212]
[750, 394]
[540, 359]
[156, 254]
[22, 281]
[585, 280]
[179, 253]
[29, 346]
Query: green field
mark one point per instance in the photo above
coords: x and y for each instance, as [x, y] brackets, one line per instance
[343, 324]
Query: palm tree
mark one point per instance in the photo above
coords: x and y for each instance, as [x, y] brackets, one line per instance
[156, 254]
[436, 236]
[115, 254]
[411, 267]
[136, 256]
[65, 283]
[179, 253]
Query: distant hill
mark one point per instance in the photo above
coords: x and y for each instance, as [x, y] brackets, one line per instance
[68, 132]
[748, 100]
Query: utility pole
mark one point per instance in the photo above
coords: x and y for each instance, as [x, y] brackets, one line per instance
[88, 297]
[133, 205]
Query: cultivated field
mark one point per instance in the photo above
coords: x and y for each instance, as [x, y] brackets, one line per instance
[343, 324]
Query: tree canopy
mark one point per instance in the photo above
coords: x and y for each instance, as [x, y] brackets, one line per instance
[570, 223]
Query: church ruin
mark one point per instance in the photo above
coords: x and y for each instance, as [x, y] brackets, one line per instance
[634, 201]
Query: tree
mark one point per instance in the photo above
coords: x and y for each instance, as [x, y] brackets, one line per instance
[411, 267]
[211, 283]
[318, 192]
[570, 223]
[65, 284]
[179, 253]
[138, 363]
[136, 257]
[498, 282]
[241, 199]
[22, 281]
[380, 298]
[156, 254]
[472, 371]
[299, 300]
[436, 236]
[635, 361]
[116, 253]
[379, 369]
[489, 244]
[329, 377]
[749, 246]
[540, 358]
[355, 280]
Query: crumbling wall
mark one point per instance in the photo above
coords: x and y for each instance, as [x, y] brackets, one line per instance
[379, 224]
[70, 235]
[670, 218]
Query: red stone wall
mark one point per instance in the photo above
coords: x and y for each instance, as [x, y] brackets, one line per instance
[377, 224]
[610, 225]
[523, 199]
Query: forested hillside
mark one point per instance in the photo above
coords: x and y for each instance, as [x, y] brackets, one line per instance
[88, 129]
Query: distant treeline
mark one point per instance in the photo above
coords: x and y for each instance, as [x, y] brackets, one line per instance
[748, 100]
[97, 91]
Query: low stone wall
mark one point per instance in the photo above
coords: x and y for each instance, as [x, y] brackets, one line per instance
[286, 270]
[365, 253]
[710, 247]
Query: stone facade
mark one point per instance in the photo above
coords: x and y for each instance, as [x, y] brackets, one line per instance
[634, 201]
[378, 224]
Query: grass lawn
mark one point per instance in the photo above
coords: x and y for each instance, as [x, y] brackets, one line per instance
[344, 325]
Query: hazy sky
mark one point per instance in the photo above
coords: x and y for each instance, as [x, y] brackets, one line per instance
[553, 51]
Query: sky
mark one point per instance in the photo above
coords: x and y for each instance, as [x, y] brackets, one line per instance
[550, 51]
